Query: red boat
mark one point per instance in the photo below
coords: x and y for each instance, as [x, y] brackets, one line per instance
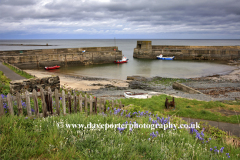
[124, 60]
[52, 67]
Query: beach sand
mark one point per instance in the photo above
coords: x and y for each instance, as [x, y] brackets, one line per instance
[79, 83]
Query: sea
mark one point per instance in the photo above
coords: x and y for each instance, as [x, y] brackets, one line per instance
[134, 67]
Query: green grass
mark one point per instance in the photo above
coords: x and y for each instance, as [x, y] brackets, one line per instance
[20, 72]
[166, 81]
[186, 108]
[22, 138]
[4, 84]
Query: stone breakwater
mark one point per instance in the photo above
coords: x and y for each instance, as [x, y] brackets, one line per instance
[39, 58]
[146, 50]
[52, 82]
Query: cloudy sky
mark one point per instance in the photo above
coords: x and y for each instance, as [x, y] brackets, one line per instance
[130, 19]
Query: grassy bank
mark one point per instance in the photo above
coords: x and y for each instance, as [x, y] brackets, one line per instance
[20, 72]
[59, 138]
[215, 111]
[4, 84]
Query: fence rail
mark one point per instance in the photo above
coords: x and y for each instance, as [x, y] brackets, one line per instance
[74, 103]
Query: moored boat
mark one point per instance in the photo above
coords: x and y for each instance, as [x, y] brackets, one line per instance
[129, 94]
[165, 58]
[52, 67]
[123, 60]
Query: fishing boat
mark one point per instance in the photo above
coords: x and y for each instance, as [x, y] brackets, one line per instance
[123, 60]
[165, 58]
[129, 94]
[52, 67]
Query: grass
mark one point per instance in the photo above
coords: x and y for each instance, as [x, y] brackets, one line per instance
[20, 72]
[187, 108]
[166, 81]
[4, 84]
[50, 138]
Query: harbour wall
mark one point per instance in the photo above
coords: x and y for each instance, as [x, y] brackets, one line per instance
[146, 50]
[39, 58]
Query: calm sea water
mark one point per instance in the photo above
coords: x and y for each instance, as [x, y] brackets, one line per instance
[148, 68]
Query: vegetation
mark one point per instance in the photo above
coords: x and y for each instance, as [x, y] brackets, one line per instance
[166, 81]
[20, 72]
[4, 84]
[58, 138]
[188, 108]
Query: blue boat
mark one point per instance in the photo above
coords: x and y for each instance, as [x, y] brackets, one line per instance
[165, 58]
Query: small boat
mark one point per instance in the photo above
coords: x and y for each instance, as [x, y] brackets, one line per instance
[52, 67]
[165, 58]
[124, 60]
[129, 94]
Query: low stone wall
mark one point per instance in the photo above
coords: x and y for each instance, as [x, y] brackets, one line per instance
[34, 83]
[39, 58]
[181, 87]
[146, 50]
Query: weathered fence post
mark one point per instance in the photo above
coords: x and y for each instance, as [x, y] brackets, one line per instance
[44, 106]
[19, 104]
[10, 106]
[86, 103]
[69, 102]
[120, 104]
[90, 101]
[100, 105]
[75, 102]
[35, 103]
[1, 107]
[80, 102]
[104, 106]
[112, 104]
[57, 102]
[63, 102]
[95, 106]
[50, 108]
[28, 104]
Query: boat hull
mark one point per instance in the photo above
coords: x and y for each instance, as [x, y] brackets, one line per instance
[52, 67]
[129, 94]
[165, 58]
[120, 61]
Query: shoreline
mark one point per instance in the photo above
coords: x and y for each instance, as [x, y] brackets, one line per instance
[114, 88]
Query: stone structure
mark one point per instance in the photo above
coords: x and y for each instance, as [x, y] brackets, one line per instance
[32, 59]
[34, 83]
[182, 87]
[145, 49]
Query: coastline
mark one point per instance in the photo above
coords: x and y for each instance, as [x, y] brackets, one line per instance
[114, 88]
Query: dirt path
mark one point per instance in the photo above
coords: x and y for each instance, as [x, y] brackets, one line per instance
[9, 73]
[233, 128]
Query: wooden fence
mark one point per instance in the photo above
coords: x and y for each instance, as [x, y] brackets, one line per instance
[75, 103]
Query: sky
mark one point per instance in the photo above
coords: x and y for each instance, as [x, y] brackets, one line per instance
[120, 19]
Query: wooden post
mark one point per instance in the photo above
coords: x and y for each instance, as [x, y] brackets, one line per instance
[28, 105]
[44, 106]
[35, 103]
[100, 105]
[1, 107]
[90, 105]
[80, 103]
[69, 102]
[63, 102]
[112, 104]
[120, 104]
[57, 102]
[75, 102]
[50, 109]
[104, 105]
[10, 106]
[86, 103]
[95, 106]
[19, 104]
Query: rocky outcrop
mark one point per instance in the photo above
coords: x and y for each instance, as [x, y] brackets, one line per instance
[35, 83]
